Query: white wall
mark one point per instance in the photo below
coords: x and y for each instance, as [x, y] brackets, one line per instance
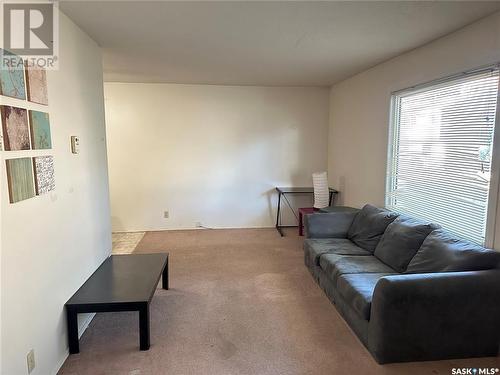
[210, 154]
[52, 243]
[360, 106]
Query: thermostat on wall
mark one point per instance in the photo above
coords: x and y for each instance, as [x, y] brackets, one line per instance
[75, 144]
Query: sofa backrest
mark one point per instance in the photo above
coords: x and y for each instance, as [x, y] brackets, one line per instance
[401, 241]
[369, 225]
[442, 252]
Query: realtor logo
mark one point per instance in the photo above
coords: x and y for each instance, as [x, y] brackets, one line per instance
[30, 30]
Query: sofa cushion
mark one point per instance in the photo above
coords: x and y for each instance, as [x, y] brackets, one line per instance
[335, 265]
[342, 246]
[357, 290]
[401, 241]
[333, 224]
[338, 209]
[369, 225]
[442, 252]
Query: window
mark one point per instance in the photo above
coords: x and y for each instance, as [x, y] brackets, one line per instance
[440, 152]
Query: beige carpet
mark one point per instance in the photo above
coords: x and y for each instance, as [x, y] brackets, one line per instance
[241, 302]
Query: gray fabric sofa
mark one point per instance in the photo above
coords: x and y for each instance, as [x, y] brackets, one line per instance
[408, 289]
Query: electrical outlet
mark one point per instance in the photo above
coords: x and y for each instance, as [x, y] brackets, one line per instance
[166, 214]
[30, 358]
[75, 144]
[199, 224]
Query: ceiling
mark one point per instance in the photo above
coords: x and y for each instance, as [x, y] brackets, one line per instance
[282, 43]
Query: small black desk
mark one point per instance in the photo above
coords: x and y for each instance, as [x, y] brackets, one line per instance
[283, 191]
[121, 283]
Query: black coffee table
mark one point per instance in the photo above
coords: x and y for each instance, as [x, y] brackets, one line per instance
[121, 283]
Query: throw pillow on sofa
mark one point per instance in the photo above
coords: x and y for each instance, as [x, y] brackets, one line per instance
[442, 252]
[369, 225]
[401, 241]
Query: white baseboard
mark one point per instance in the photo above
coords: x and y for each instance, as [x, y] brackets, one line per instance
[84, 324]
[61, 362]
[197, 228]
[81, 329]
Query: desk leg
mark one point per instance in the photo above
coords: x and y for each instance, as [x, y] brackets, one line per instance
[278, 227]
[164, 277]
[144, 326]
[72, 321]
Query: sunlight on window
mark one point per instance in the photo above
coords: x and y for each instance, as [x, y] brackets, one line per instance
[439, 167]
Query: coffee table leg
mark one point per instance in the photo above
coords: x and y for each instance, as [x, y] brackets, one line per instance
[164, 277]
[72, 321]
[144, 326]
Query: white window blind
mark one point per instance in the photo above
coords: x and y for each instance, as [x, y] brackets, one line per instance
[440, 152]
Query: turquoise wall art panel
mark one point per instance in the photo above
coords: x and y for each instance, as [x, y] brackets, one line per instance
[40, 130]
[12, 81]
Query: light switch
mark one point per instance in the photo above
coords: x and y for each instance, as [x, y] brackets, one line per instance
[75, 144]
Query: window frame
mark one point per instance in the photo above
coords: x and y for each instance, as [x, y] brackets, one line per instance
[392, 147]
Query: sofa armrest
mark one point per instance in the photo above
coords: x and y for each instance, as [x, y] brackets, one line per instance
[435, 315]
[330, 225]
